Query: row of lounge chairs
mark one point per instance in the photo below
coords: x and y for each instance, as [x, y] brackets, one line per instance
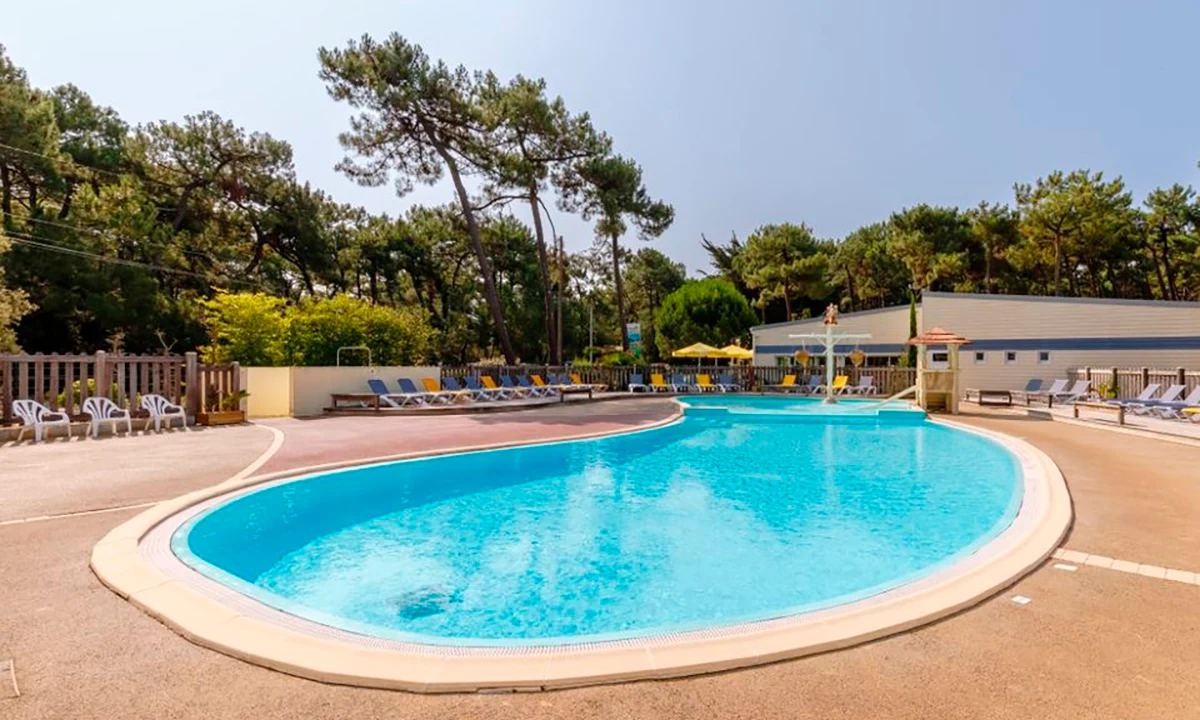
[816, 385]
[482, 388]
[1060, 392]
[101, 411]
[679, 384]
[1171, 404]
[1167, 406]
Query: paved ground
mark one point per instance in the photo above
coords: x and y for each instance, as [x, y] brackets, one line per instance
[320, 440]
[1093, 643]
[79, 475]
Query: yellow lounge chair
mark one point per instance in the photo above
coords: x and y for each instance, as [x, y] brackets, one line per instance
[658, 384]
[539, 382]
[440, 396]
[705, 383]
[598, 387]
[788, 384]
[839, 385]
[502, 392]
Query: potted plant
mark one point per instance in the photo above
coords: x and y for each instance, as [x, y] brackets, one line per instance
[224, 409]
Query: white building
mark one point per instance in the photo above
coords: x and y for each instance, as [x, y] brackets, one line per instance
[1013, 337]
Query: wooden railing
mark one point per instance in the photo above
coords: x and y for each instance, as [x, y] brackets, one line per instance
[63, 382]
[1129, 382]
[888, 380]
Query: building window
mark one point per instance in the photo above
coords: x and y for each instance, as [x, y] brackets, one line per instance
[783, 360]
[1043, 357]
[940, 357]
[980, 357]
[1010, 357]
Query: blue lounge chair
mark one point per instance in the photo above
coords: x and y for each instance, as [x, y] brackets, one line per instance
[535, 390]
[1032, 387]
[481, 392]
[815, 383]
[637, 383]
[726, 381]
[390, 398]
[452, 385]
[435, 398]
[507, 383]
[680, 384]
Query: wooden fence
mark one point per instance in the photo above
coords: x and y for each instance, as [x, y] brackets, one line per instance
[888, 380]
[63, 382]
[1129, 382]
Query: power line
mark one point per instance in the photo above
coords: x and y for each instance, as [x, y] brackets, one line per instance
[98, 233]
[32, 241]
[111, 173]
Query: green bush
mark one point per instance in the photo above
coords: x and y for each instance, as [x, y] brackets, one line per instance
[260, 330]
[245, 327]
[114, 393]
[710, 311]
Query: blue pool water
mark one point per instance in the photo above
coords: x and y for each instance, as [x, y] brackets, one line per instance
[709, 521]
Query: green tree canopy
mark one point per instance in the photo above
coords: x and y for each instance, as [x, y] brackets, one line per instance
[610, 191]
[416, 119]
[709, 311]
[784, 262]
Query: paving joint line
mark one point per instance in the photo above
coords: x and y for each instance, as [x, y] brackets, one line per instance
[1158, 572]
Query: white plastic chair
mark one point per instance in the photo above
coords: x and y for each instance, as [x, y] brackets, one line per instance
[104, 411]
[162, 409]
[39, 417]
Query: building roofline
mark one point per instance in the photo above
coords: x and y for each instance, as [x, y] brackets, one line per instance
[1060, 299]
[998, 296]
[818, 318]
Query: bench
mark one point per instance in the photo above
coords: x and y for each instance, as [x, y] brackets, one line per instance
[1087, 405]
[577, 390]
[991, 397]
[370, 400]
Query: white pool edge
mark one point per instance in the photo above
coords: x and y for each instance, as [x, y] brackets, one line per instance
[133, 561]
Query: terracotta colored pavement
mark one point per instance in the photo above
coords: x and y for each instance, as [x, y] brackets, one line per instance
[324, 440]
[1092, 644]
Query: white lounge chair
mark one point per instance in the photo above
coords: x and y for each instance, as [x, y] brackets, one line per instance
[39, 417]
[865, 386]
[1077, 391]
[1170, 395]
[1144, 396]
[1175, 410]
[106, 412]
[163, 410]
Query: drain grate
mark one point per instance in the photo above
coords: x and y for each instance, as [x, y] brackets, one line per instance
[8, 680]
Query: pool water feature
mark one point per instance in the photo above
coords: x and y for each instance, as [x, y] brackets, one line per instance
[711, 521]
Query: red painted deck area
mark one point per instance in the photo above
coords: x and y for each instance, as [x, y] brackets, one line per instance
[334, 439]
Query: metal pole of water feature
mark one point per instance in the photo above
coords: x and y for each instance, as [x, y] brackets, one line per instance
[830, 341]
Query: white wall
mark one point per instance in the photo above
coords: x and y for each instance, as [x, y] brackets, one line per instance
[887, 327]
[305, 391]
[1026, 326]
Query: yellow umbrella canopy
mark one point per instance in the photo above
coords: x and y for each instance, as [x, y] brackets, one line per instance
[737, 352]
[699, 350]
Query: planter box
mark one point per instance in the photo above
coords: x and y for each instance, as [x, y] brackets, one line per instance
[221, 417]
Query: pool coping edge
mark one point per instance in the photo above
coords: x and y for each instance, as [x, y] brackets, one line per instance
[1041, 523]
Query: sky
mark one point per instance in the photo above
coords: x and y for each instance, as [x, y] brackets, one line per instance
[741, 114]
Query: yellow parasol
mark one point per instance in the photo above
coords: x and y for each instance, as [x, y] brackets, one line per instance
[737, 352]
[699, 350]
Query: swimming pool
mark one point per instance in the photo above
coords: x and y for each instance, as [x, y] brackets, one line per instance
[715, 520]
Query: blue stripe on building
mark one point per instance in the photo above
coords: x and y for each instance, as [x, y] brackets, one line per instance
[1188, 342]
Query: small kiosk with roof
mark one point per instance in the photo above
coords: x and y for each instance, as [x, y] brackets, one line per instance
[937, 388]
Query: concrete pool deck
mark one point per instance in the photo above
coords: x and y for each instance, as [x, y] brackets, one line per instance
[1093, 643]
